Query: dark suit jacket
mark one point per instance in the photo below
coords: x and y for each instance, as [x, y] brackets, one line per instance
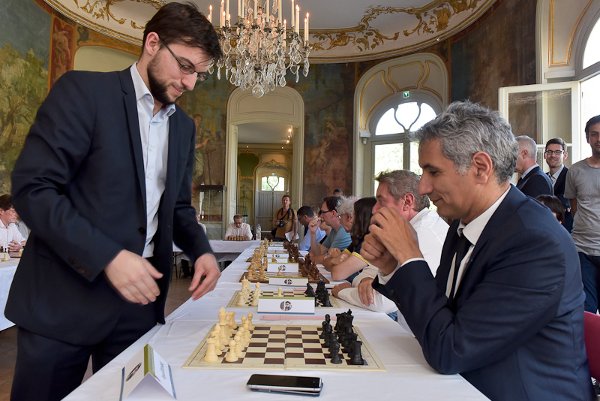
[535, 183]
[515, 327]
[559, 191]
[79, 186]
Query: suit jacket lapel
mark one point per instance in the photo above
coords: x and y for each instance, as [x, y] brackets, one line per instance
[494, 225]
[134, 129]
[173, 155]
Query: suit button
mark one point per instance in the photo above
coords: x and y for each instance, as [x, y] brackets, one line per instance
[142, 230]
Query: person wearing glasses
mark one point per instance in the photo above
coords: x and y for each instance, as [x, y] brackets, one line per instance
[11, 238]
[104, 183]
[555, 155]
[338, 237]
[582, 188]
[532, 182]
[238, 230]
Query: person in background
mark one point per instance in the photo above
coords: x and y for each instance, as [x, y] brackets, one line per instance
[582, 188]
[505, 308]
[238, 230]
[104, 183]
[11, 238]
[355, 217]
[555, 155]
[305, 215]
[338, 237]
[554, 204]
[285, 221]
[338, 192]
[532, 181]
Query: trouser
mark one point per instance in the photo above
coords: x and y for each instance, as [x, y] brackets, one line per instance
[590, 274]
[49, 369]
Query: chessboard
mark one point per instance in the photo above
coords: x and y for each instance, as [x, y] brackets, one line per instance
[265, 279]
[291, 292]
[292, 347]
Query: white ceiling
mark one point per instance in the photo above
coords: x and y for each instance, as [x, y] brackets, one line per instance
[340, 30]
[261, 133]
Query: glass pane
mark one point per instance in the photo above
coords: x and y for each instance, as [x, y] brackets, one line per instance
[387, 125]
[591, 53]
[388, 157]
[407, 113]
[414, 159]
[272, 183]
[427, 114]
[541, 115]
[590, 99]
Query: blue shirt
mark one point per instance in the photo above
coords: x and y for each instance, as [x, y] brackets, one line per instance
[304, 245]
[338, 239]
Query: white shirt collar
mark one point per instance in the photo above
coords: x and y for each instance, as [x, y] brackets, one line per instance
[557, 172]
[474, 229]
[142, 93]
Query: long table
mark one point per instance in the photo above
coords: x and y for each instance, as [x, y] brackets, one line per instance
[407, 375]
[7, 272]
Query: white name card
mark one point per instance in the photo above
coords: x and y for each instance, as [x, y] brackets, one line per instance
[282, 267]
[146, 362]
[286, 305]
[289, 281]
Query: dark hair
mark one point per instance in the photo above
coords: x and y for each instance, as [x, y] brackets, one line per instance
[363, 210]
[183, 23]
[332, 202]
[557, 141]
[554, 204]
[5, 202]
[591, 121]
[286, 196]
[306, 211]
[238, 216]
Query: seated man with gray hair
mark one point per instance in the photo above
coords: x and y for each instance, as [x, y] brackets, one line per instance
[238, 230]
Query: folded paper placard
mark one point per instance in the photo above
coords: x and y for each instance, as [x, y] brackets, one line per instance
[146, 362]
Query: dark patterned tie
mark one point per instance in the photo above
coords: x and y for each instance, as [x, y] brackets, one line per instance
[462, 247]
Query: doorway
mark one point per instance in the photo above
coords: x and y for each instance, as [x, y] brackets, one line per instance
[283, 106]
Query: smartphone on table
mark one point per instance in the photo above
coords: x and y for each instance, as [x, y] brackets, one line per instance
[303, 385]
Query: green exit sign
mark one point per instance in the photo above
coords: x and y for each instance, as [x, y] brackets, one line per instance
[406, 94]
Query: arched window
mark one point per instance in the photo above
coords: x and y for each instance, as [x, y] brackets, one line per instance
[591, 54]
[393, 145]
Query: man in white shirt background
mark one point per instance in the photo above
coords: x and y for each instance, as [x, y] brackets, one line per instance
[238, 230]
[10, 236]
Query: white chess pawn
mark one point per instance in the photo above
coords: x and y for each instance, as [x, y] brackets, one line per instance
[279, 292]
[211, 352]
[231, 321]
[241, 299]
[231, 355]
[250, 324]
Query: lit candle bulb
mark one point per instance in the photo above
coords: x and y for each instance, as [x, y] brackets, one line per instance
[292, 19]
[267, 13]
[227, 11]
[222, 14]
[306, 29]
[255, 8]
[279, 12]
[297, 18]
[284, 33]
[210, 13]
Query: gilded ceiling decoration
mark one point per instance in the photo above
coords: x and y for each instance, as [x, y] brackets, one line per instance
[343, 30]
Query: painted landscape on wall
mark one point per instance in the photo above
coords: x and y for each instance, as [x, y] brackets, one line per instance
[24, 77]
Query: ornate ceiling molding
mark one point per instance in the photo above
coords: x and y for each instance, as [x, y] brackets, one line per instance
[382, 31]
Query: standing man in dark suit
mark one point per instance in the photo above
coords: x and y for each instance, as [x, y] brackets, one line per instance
[104, 183]
[505, 309]
[532, 181]
[555, 155]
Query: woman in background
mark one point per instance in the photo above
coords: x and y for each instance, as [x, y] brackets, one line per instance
[285, 221]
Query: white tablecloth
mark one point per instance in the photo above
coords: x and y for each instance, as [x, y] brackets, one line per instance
[407, 375]
[7, 272]
[225, 250]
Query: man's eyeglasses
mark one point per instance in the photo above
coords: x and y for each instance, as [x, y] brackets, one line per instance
[321, 212]
[554, 152]
[187, 68]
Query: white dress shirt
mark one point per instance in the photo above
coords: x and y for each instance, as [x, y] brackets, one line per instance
[154, 133]
[9, 234]
[243, 231]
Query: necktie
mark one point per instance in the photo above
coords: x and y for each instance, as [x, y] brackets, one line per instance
[461, 250]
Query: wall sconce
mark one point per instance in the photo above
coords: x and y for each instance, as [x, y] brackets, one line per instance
[364, 136]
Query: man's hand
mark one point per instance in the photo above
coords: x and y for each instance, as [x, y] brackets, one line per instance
[377, 255]
[206, 275]
[334, 252]
[312, 226]
[336, 290]
[133, 277]
[366, 291]
[14, 246]
[396, 235]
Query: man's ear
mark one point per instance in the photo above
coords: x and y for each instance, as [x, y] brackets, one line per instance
[409, 201]
[483, 166]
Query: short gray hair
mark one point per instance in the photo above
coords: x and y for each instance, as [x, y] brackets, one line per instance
[528, 144]
[402, 182]
[347, 205]
[465, 128]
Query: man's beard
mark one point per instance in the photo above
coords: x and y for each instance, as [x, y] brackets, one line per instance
[157, 88]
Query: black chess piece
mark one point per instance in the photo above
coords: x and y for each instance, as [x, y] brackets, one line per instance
[334, 352]
[356, 357]
[310, 292]
[325, 301]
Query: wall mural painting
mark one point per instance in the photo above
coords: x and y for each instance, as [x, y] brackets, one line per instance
[328, 94]
[24, 79]
[63, 49]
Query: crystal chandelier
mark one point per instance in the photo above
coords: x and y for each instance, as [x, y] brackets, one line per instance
[258, 50]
